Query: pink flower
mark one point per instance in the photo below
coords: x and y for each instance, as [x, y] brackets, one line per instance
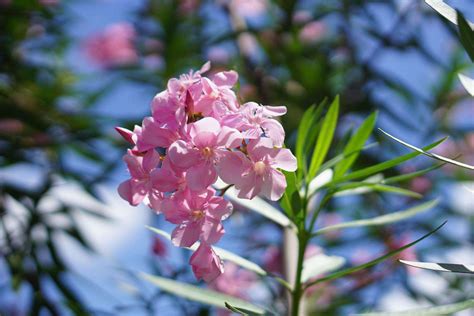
[312, 32]
[206, 264]
[234, 281]
[168, 178]
[198, 216]
[257, 173]
[113, 47]
[154, 134]
[217, 93]
[159, 247]
[128, 135]
[187, 86]
[249, 8]
[273, 260]
[139, 186]
[208, 141]
[257, 120]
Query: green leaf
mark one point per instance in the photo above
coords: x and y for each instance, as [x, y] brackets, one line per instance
[434, 156]
[199, 294]
[445, 10]
[353, 188]
[466, 35]
[468, 83]
[291, 200]
[411, 175]
[303, 141]
[380, 220]
[362, 173]
[334, 161]
[324, 138]
[320, 264]
[347, 271]
[242, 311]
[224, 254]
[356, 143]
[448, 309]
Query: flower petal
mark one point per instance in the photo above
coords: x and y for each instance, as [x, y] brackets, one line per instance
[201, 176]
[183, 155]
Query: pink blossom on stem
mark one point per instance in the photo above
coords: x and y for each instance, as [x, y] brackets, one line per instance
[198, 216]
[202, 132]
[208, 141]
[257, 173]
[257, 120]
[206, 264]
[139, 186]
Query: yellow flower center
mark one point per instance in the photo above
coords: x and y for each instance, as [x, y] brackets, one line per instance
[207, 152]
[197, 214]
[259, 168]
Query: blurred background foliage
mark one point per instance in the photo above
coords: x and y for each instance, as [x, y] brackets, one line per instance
[397, 57]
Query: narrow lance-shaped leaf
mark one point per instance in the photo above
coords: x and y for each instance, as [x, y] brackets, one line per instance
[411, 175]
[335, 160]
[365, 172]
[356, 142]
[369, 264]
[242, 311]
[448, 309]
[468, 83]
[324, 138]
[445, 10]
[426, 153]
[308, 121]
[367, 187]
[199, 294]
[466, 35]
[381, 220]
[443, 267]
[320, 264]
[291, 200]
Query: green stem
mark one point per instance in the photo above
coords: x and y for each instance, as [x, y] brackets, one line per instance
[298, 287]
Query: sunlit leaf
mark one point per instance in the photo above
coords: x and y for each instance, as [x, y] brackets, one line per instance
[443, 267]
[434, 156]
[320, 264]
[354, 188]
[468, 83]
[199, 294]
[307, 123]
[445, 10]
[371, 263]
[411, 175]
[466, 35]
[381, 220]
[325, 137]
[356, 143]
[243, 311]
[448, 309]
[319, 181]
[291, 200]
[365, 172]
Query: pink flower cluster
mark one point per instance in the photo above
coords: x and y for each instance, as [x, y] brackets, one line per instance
[198, 131]
[113, 47]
